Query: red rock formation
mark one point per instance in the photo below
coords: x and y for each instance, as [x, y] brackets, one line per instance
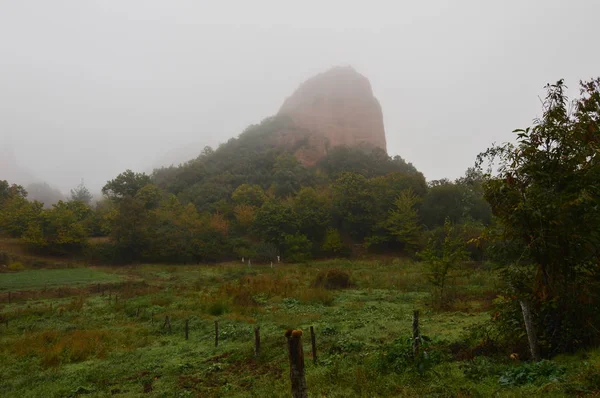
[334, 108]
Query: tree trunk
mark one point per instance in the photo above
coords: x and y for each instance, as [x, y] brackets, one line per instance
[531, 335]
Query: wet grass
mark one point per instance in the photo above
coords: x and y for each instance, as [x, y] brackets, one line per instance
[112, 342]
[45, 278]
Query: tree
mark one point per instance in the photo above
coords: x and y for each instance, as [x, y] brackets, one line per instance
[313, 212]
[8, 191]
[274, 220]
[289, 175]
[60, 230]
[403, 221]
[297, 248]
[353, 204]
[244, 216]
[131, 228]
[81, 194]
[17, 213]
[545, 196]
[441, 259]
[126, 184]
[444, 200]
[332, 243]
[246, 194]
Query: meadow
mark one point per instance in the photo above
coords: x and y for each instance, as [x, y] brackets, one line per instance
[101, 331]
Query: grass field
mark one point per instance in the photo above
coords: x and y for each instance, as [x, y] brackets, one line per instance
[48, 278]
[75, 337]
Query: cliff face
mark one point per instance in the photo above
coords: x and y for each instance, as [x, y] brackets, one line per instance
[334, 108]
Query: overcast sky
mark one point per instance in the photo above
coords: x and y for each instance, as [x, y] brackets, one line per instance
[91, 88]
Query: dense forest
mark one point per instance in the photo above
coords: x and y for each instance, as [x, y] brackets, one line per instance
[536, 216]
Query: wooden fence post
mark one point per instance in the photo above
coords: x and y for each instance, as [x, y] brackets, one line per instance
[9, 294]
[530, 329]
[137, 312]
[296, 356]
[313, 342]
[167, 323]
[257, 341]
[216, 333]
[187, 328]
[416, 334]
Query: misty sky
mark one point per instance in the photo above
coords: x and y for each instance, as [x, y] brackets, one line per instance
[91, 88]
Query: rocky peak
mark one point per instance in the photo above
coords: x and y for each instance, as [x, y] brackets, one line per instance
[334, 108]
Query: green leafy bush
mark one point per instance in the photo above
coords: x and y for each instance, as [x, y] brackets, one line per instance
[16, 266]
[397, 357]
[532, 373]
[217, 308]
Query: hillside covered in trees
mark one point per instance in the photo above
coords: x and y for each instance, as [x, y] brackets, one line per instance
[251, 198]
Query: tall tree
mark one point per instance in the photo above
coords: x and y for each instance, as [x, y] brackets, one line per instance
[546, 198]
[403, 221]
[126, 184]
[81, 194]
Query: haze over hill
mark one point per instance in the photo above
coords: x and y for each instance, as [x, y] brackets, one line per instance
[92, 88]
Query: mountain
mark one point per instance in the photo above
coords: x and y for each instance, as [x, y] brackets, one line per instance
[332, 109]
[330, 125]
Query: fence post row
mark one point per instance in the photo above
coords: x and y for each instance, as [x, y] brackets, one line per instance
[296, 356]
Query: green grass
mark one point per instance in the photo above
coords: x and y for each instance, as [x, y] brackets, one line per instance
[33, 279]
[88, 345]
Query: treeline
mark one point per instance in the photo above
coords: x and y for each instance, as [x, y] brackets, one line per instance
[251, 199]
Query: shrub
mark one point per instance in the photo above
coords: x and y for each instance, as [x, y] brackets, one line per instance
[217, 308]
[333, 279]
[398, 357]
[481, 367]
[16, 266]
[346, 345]
[532, 373]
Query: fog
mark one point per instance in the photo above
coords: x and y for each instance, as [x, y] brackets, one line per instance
[91, 88]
